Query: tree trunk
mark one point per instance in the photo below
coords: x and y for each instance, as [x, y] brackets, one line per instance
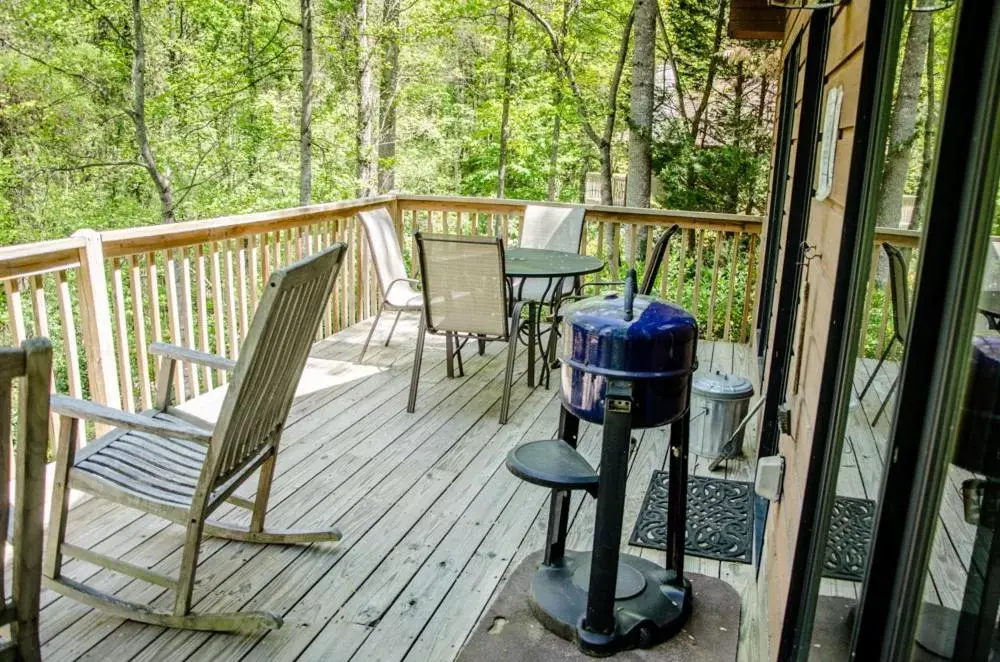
[505, 113]
[713, 68]
[736, 119]
[557, 96]
[903, 127]
[553, 184]
[367, 95]
[161, 180]
[305, 116]
[920, 203]
[607, 198]
[389, 89]
[640, 155]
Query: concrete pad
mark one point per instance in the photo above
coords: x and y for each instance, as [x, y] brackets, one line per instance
[508, 631]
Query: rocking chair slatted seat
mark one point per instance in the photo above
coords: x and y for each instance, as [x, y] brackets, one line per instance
[163, 462]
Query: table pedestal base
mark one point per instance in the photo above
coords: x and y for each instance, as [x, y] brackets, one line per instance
[648, 607]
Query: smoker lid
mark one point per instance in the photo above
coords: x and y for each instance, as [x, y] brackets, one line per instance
[717, 386]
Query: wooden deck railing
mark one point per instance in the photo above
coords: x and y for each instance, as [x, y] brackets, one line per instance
[102, 297]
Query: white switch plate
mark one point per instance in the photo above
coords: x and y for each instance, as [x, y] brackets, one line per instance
[770, 477]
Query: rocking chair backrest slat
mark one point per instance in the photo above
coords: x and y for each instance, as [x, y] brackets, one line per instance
[463, 283]
[271, 363]
[34, 363]
[898, 290]
[384, 246]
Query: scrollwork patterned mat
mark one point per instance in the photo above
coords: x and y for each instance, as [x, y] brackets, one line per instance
[720, 524]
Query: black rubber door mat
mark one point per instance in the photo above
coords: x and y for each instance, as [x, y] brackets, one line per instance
[720, 524]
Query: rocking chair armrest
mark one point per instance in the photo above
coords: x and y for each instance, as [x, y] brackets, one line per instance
[91, 411]
[177, 353]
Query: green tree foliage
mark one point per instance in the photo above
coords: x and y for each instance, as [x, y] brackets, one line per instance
[222, 104]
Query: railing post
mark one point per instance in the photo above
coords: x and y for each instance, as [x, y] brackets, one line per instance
[98, 342]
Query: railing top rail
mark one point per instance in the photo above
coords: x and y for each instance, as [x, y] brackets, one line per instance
[131, 241]
[898, 237]
[39, 257]
[699, 219]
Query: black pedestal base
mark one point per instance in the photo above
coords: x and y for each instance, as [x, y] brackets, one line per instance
[648, 609]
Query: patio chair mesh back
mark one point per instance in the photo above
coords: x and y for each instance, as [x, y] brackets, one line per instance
[463, 282]
[898, 291]
[554, 228]
[271, 361]
[384, 246]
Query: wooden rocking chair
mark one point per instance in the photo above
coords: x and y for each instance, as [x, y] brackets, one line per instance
[164, 464]
[33, 362]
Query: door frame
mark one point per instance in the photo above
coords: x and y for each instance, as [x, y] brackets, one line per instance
[878, 70]
[935, 363]
[817, 36]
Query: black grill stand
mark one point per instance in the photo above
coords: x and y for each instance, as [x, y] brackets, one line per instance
[604, 600]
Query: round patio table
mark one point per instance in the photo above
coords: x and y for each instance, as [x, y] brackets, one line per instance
[555, 267]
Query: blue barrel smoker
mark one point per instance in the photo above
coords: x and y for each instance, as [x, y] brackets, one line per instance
[627, 362]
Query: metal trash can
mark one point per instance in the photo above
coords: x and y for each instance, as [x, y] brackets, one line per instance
[718, 404]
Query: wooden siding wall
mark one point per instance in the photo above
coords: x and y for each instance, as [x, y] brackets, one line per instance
[843, 67]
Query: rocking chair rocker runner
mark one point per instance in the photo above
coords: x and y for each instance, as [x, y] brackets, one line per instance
[162, 463]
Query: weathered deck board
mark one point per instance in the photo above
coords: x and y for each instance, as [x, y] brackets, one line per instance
[433, 521]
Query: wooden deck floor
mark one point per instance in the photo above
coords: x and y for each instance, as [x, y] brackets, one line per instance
[432, 520]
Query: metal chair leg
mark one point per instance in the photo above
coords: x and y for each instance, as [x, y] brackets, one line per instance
[449, 354]
[508, 378]
[482, 345]
[418, 355]
[394, 323]
[871, 378]
[371, 332]
[888, 395]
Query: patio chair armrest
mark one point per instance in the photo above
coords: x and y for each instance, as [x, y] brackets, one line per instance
[91, 411]
[414, 281]
[177, 353]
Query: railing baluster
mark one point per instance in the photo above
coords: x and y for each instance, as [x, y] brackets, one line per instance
[173, 315]
[201, 288]
[218, 311]
[70, 347]
[139, 330]
[749, 288]
[715, 283]
[254, 254]
[231, 319]
[186, 306]
[96, 317]
[241, 289]
[682, 268]
[734, 244]
[121, 328]
[665, 270]
[155, 321]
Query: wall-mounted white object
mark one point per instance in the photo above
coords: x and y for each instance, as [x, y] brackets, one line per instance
[828, 147]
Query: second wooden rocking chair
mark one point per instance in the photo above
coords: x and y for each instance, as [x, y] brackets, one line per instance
[161, 463]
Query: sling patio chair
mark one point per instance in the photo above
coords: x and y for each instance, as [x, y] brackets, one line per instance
[554, 229]
[162, 463]
[465, 297]
[32, 363]
[900, 302]
[395, 287]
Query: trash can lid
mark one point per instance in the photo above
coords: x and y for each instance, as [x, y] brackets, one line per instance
[718, 386]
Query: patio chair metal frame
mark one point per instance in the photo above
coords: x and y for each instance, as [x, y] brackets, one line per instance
[378, 226]
[900, 302]
[646, 288]
[32, 364]
[455, 339]
[167, 463]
